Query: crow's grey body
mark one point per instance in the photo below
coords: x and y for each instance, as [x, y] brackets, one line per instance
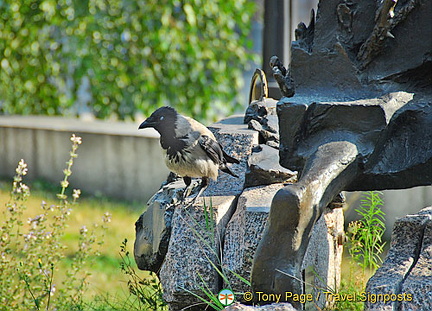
[191, 149]
[192, 161]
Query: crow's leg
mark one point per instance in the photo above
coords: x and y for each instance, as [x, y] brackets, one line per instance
[204, 185]
[187, 191]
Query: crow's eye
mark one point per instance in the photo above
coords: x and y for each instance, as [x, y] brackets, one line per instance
[161, 118]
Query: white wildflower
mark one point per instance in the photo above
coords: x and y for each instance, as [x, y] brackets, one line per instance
[106, 217]
[76, 139]
[76, 194]
[83, 230]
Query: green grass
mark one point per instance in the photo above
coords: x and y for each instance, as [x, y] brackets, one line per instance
[353, 281]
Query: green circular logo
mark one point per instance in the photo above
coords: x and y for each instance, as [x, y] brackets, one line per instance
[226, 297]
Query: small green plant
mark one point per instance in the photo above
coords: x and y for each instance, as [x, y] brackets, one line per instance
[365, 235]
[148, 291]
[365, 246]
[31, 250]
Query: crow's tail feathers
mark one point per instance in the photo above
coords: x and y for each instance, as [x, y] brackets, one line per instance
[225, 169]
[229, 158]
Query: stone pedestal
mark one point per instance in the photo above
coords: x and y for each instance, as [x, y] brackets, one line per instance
[185, 245]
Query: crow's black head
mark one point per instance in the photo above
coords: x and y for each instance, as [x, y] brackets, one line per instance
[161, 119]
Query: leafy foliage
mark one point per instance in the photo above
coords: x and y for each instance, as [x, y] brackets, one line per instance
[122, 56]
[365, 246]
[365, 235]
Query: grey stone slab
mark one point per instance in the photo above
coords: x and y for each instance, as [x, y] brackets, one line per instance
[400, 265]
[244, 231]
[237, 140]
[153, 228]
[324, 255]
[193, 250]
[418, 284]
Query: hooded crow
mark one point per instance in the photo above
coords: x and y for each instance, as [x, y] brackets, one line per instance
[191, 150]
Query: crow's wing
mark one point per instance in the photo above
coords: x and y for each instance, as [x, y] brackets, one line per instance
[215, 152]
[212, 148]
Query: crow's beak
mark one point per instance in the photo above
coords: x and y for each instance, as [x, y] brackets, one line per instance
[147, 123]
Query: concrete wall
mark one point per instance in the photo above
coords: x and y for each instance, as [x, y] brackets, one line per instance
[115, 159]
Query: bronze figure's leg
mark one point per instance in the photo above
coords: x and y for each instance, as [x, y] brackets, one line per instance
[294, 211]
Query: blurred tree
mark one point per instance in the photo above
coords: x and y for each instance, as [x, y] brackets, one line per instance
[122, 56]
